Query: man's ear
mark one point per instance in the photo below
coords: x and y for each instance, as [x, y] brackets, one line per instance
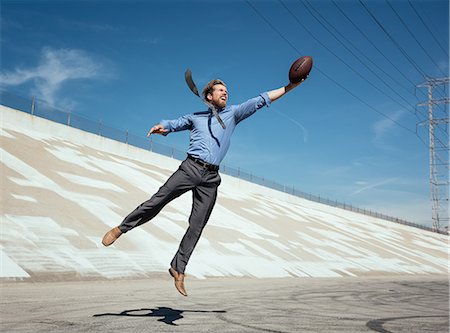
[209, 97]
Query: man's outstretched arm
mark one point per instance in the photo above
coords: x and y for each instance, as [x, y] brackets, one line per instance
[277, 93]
[248, 108]
[167, 126]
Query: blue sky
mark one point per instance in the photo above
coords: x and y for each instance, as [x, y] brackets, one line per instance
[124, 62]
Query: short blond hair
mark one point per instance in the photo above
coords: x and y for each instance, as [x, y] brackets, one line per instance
[209, 88]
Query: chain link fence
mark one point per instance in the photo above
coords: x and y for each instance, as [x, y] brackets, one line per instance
[41, 109]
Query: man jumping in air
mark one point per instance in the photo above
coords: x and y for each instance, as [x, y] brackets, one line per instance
[210, 134]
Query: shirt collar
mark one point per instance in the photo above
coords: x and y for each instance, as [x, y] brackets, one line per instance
[218, 109]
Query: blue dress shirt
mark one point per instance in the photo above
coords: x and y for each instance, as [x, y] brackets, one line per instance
[208, 140]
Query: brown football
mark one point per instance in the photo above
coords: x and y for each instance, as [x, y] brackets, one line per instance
[300, 69]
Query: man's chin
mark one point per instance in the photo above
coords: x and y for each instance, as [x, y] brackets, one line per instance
[220, 105]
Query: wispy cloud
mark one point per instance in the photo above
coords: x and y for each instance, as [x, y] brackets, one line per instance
[86, 26]
[150, 41]
[55, 68]
[10, 24]
[292, 120]
[367, 186]
[443, 65]
[411, 206]
[401, 197]
[93, 27]
[352, 167]
[385, 126]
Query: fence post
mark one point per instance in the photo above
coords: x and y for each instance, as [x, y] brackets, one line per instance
[172, 151]
[32, 105]
[100, 128]
[68, 119]
[126, 137]
[151, 144]
[239, 172]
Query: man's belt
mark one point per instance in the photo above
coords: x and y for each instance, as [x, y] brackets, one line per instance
[205, 165]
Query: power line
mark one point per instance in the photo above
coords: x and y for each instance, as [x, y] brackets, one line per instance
[351, 68]
[332, 52]
[411, 61]
[356, 56]
[365, 103]
[426, 26]
[273, 28]
[356, 48]
[412, 35]
[324, 74]
[376, 47]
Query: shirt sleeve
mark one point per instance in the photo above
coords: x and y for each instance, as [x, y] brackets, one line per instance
[248, 108]
[180, 124]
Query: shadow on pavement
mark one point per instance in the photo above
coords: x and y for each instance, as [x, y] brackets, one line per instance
[168, 315]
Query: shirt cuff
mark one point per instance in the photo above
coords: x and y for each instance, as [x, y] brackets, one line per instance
[266, 98]
[166, 125]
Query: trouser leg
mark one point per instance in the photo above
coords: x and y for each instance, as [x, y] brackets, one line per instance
[177, 184]
[204, 198]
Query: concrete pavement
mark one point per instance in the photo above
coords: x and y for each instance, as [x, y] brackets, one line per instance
[365, 304]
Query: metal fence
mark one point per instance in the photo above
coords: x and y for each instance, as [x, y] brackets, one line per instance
[39, 108]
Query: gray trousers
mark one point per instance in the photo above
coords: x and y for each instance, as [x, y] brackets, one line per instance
[189, 176]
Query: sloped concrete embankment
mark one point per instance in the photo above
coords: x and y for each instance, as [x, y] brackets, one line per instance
[63, 188]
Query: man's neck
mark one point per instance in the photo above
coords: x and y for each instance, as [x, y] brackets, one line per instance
[218, 108]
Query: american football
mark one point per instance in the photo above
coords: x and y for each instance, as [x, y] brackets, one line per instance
[300, 69]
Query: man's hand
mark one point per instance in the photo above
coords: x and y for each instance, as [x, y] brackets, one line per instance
[291, 85]
[157, 129]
